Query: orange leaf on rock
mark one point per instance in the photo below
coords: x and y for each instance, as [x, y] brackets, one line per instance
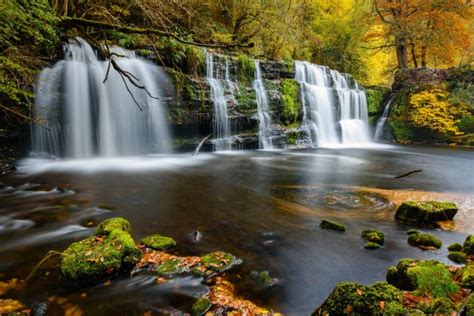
[359, 292]
[382, 305]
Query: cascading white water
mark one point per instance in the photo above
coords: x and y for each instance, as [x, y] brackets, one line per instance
[263, 109]
[221, 129]
[331, 103]
[381, 121]
[83, 117]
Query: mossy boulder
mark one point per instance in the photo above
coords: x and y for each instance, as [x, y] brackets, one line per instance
[327, 224]
[468, 246]
[467, 280]
[372, 245]
[424, 241]
[219, 261]
[439, 306]
[357, 299]
[98, 257]
[457, 256]
[158, 242]
[455, 247]
[374, 236]
[170, 267]
[425, 212]
[426, 277]
[201, 306]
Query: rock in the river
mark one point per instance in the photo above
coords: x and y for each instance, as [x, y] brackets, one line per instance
[468, 246]
[455, 247]
[349, 298]
[327, 224]
[457, 256]
[158, 242]
[425, 212]
[426, 277]
[374, 238]
[200, 307]
[424, 241]
[95, 258]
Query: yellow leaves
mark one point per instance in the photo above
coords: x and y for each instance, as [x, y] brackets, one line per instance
[358, 292]
[10, 306]
[5, 286]
[430, 109]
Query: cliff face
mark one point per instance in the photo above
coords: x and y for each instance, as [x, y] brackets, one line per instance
[433, 106]
[191, 109]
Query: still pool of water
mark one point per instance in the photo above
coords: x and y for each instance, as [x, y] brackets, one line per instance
[262, 206]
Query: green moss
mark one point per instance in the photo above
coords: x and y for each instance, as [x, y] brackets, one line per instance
[424, 240]
[116, 223]
[246, 99]
[412, 231]
[219, 261]
[327, 224]
[200, 307]
[468, 308]
[439, 306]
[468, 246]
[374, 236]
[371, 245]
[374, 100]
[425, 212]
[246, 69]
[468, 277]
[95, 258]
[457, 256]
[427, 277]
[158, 242]
[265, 278]
[455, 247]
[169, 267]
[291, 102]
[364, 300]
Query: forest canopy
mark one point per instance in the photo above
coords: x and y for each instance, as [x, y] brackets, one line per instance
[370, 39]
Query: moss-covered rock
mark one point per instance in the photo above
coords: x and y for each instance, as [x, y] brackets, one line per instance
[327, 224]
[439, 306]
[468, 276]
[425, 212]
[219, 261]
[457, 256]
[468, 246]
[170, 267]
[372, 245]
[424, 241]
[357, 299]
[455, 247]
[108, 252]
[265, 278]
[158, 242]
[291, 102]
[200, 307]
[374, 236]
[427, 277]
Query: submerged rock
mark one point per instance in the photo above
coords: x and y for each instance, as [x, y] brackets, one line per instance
[95, 258]
[374, 238]
[425, 212]
[200, 307]
[455, 247]
[158, 242]
[349, 298]
[424, 241]
[468, 246]
[327, 224]
[426, 277]
[457, 256]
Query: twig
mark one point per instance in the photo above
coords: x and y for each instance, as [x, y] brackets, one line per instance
[408, 173]
[198, 147]
[36, 267]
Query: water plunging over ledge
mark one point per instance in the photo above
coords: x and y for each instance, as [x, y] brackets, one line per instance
[334, 109]
[382, 120]
[83, 117]
[263, 107]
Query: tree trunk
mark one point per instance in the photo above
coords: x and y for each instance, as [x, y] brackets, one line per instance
[402, 55]
[423, 56]
[413, 56]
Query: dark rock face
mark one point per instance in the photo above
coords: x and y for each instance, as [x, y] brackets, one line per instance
[425, 212]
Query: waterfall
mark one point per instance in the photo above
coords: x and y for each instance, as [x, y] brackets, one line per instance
[221, 128]
[263, 107]
[334, 107]
[80, 116]
[381, 121]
